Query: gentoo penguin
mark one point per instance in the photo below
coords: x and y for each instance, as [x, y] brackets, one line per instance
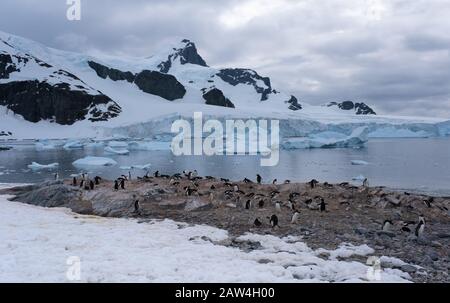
[428, 201]
[116, 185]
[136, 206]
[295, 217]
[82, 183]
[156, 174]
[406, 228]
[274, 182]
[257, 223]
[248, 204]
[247, 180]
[194, 173]
[290, 205]
[278, 206]
[74, 181]
[274, 221]
[420, 227]
[97, 180]
[287, 181]
[322, 205]
[91, 185]
[261, 203]
[258, 179]
[366, 182]
[56, 176]
[387, 225]
[122, 184]
[313, 183]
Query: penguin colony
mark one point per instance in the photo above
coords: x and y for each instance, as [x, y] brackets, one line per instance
[248, 197]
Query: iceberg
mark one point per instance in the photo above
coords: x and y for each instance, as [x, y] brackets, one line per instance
[328, 139]
[149, 145]
[118, 144]
[73, 145]
[94, 161]
[41, 146]
[359, 162]
[115, 151]
[94, 145]
[36, 166]
[392, 132]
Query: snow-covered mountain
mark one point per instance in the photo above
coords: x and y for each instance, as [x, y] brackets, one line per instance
[46, 92]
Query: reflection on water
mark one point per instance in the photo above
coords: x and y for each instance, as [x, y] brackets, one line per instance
[419, 164]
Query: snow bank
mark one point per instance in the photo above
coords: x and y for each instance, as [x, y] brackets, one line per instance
[94, 161]
[121, 250]
[116, 151]
[36, 166]
[329, 139]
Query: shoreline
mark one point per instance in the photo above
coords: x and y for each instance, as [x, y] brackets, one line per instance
[353, 214]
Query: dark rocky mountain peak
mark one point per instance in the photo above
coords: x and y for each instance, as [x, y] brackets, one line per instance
[186, 53]
[360, 108]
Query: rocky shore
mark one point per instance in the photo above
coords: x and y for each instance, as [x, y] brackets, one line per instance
[352, 214]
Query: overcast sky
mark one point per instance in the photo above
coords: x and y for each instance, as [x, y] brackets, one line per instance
[392, 54]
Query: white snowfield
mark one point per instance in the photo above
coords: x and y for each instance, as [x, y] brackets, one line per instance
[36, 244]
[142, 111]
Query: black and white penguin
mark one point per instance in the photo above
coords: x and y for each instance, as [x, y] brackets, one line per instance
[322, 205]
[258, 179]
[428, 201]
[274, 182]
[257, 222]
[366, 182]
[278, 206]
[247, 180]
[313, 183]
[387, 224]
[82, 183]
[56, 176]
[116, 185]
[129, 175]
[274, 221]
[295, 217]
[248, 204]
[122, 184]
[91, 185]
[97, 180]
[74, 181]
[136, 206]
[287, 181]
[156, 174]
[420, 227]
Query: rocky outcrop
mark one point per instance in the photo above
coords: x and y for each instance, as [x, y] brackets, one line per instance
[235, 76]
[215, 97]
[186, 54]
[6, 66]
[5, 133]
[112, 73]
[163, 85]
[359, 108]
[294, 105]
[37, 101]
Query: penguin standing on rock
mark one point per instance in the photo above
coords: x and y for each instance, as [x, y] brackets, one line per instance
[136, 207]
[74, 181]
[295, 217]
[82, 183]
[313, 183]
[122, 184]
[322, 205]
[387, 225]
[258, 179]
[274, 221]
[56, 176]
[97, 180]
[91, 185]
[116, 185]
[274, 182]
[248, 204]
[420, 227]
[366, 183]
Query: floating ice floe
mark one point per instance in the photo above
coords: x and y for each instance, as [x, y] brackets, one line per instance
[94, 161]
[94, 145]
[118, 144]
[36, 166]
[359, 178]
[149, 145]
[116, 151]
[40, 146]
[73, 145]
[359, 162]
[328, 139]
